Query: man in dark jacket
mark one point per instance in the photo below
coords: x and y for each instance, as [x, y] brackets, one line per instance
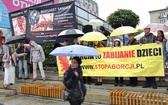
[22, 60]
[132, 41]
[149, 38]
[106, 33]
[73, 82]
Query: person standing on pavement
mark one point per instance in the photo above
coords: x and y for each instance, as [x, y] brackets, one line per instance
[97, 44]
[73, 82]
[9, 60]
[86, 79]
[75, 41]
[3, 50]
[146, 39]
[132, 41]
[160, 38]
[66, 43]
[117, 43]
[37, 57]
[107, 34]
[22, 60]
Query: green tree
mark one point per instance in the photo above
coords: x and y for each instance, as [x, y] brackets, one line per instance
[47, 49]
[139, 32]
[123, 17]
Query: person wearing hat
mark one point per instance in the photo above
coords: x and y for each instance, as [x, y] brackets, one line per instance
[98, 44]
[132, 41]
[37, 56]
[146, 39]
[9, 60]
[73, 82]
[117, 43]
[22, 62]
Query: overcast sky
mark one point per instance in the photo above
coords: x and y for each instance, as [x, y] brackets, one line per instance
[140, 7]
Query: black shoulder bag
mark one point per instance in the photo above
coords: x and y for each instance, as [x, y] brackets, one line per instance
[67, 94]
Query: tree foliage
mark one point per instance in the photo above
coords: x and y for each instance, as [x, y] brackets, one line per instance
[123, 17]
[139, 32]
[47, 49]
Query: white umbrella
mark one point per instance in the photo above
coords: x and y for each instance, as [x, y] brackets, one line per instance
[154, 27]
[95, 22]
[74, 50]
[71, 33]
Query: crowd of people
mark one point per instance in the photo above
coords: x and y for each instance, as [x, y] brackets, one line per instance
[24, 55]
[146, 39]
[73, 76]
[34, 55]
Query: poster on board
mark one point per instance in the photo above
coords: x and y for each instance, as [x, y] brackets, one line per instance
[45, 23]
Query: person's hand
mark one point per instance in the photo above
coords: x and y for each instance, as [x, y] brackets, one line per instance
[108, 37]
[140, 44]
[18, 45]
[164, 40]
[25, 53]
[157, 42]
[76, 73]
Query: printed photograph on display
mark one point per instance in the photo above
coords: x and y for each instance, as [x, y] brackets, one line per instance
[19, 25]
[40, 22]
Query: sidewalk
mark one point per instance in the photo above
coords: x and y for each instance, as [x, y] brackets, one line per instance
[35, 100]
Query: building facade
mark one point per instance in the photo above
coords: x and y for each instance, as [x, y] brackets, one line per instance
[159, 16]
[87, 10]
[89, 5]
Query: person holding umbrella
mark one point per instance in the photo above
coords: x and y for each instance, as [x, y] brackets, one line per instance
[107, 34]
[73, 80]
[132, 41]
[74, 83]
[117, 43]
[75, 41]
[22, 62]
[97, 44]
[87, 79]
[146, 39]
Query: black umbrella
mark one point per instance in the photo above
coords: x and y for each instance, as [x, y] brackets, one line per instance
[71, 33]
[15, 39]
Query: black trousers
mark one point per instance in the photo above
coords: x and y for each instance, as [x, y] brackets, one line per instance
[117, 81]
[133, 80]
[150, 81]
[75, 102]
[86, 79]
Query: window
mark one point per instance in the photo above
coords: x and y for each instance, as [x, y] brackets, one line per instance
[82, 13]
[91, 17]
[80, 27]
[162, 21]
[162, 14]
[82, 21]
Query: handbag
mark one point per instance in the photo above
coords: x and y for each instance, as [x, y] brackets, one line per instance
[67, 95]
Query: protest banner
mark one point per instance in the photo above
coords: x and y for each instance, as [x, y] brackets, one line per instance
[126, 61]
